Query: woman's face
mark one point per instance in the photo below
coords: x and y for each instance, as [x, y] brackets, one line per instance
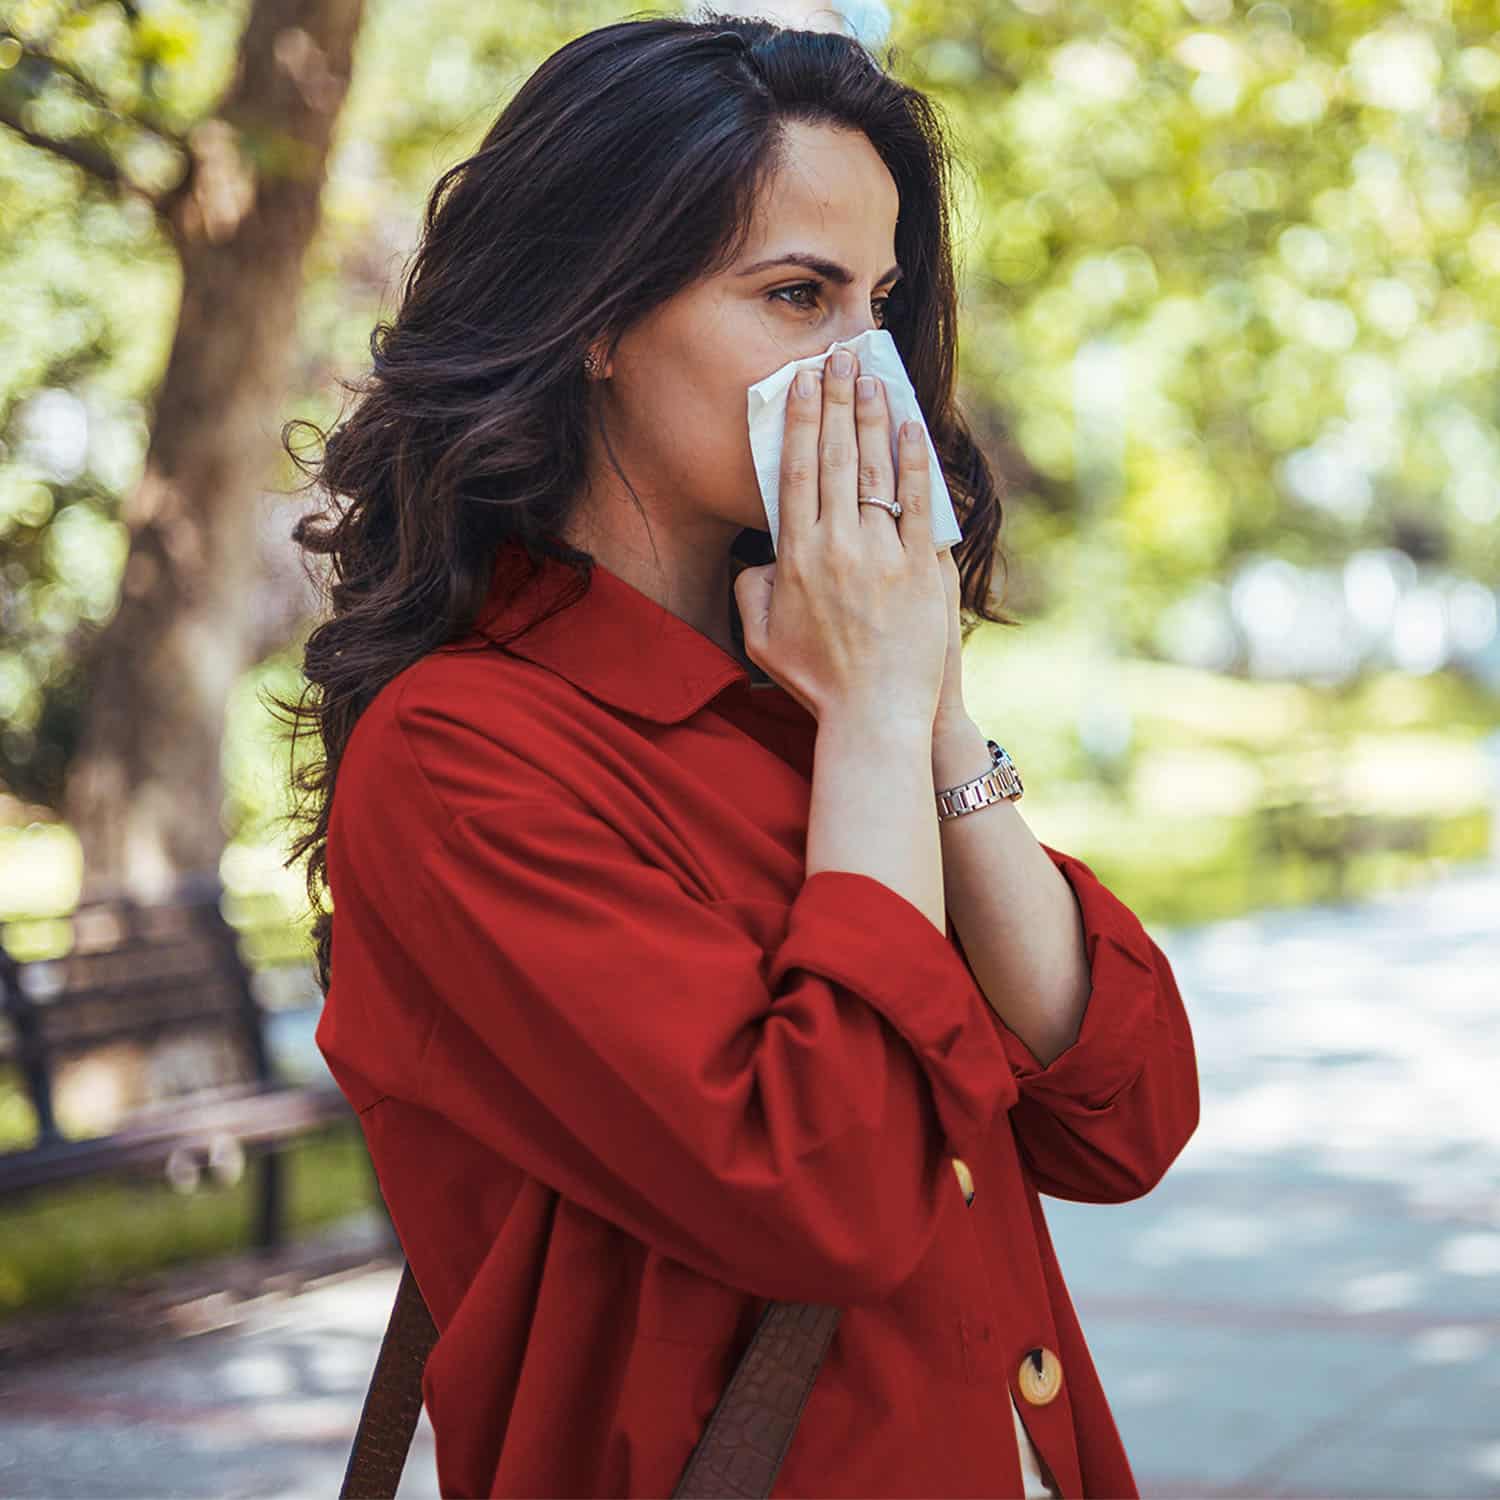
[675, 403]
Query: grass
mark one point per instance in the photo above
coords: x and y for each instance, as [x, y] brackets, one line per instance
[84, 1237]
[1198, 797]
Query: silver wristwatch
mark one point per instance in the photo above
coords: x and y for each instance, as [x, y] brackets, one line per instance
[1001, 780]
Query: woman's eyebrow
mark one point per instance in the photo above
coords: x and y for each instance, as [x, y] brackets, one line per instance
[829, 268]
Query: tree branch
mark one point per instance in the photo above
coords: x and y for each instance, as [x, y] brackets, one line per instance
[94, 159]
[83, 152]
[96, 95]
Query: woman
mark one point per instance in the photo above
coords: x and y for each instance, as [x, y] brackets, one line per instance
[644, 971]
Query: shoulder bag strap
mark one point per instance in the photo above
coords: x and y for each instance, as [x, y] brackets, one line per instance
[394, 1400]
[738, 1455]
[751, 1428]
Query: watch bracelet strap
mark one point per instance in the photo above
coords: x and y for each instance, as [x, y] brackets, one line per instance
[737, 1456]
[1000, 783]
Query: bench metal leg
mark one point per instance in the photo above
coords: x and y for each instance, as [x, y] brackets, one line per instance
[271, 1203]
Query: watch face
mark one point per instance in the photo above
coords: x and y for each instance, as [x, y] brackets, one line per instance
[1007, 768]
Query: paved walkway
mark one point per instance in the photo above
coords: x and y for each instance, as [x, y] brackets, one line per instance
[1307, 1305]
[1309, 1302]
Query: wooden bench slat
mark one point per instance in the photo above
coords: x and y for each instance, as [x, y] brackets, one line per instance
[251, 1121]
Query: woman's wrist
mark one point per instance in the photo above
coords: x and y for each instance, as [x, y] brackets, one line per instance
[960, 749]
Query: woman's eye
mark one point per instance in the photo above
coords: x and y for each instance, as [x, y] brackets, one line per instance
[883, 303]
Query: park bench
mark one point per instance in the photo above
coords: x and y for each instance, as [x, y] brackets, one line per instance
[162, 992]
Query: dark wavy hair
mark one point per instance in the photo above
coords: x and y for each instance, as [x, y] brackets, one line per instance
[625, 168]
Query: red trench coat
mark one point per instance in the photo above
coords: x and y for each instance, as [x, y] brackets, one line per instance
[625, 1074]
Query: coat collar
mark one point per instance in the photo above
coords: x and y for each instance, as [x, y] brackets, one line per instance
[615, 643]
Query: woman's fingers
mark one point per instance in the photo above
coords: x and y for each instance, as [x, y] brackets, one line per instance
[837, 447]
[911, 487]
[839, 451]
[877, 475]
[798, 502]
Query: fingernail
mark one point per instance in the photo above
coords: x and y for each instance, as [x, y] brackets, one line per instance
[866, 387]
[805, 383]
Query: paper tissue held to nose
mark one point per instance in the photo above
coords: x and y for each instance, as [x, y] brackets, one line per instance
[876, 352]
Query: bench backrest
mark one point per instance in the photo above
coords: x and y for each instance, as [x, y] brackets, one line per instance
[156, 994]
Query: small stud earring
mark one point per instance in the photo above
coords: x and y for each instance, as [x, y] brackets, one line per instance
[591, 365]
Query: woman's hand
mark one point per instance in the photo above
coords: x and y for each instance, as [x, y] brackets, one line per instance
[851, 618]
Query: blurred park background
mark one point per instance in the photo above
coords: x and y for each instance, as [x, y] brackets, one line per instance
[1230, 335]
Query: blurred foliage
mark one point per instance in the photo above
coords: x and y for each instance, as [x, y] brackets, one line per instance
[1288, 218]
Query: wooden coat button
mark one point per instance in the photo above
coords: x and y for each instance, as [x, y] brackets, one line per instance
[965, 1180]
[1040, 1376]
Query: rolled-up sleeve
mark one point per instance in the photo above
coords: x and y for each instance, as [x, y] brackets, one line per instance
[768, 1091]
[1110, 1113]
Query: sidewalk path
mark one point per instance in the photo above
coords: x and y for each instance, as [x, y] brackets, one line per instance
[264, 1406]
[1307, 1305]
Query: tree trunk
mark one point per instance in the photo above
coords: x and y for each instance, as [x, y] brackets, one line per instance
[144, 793]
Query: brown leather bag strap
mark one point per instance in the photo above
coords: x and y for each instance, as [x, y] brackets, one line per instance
[752, 1426]
[394, 1401]
[737, 1457]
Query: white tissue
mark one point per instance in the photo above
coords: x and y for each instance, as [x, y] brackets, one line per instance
[876, 352]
